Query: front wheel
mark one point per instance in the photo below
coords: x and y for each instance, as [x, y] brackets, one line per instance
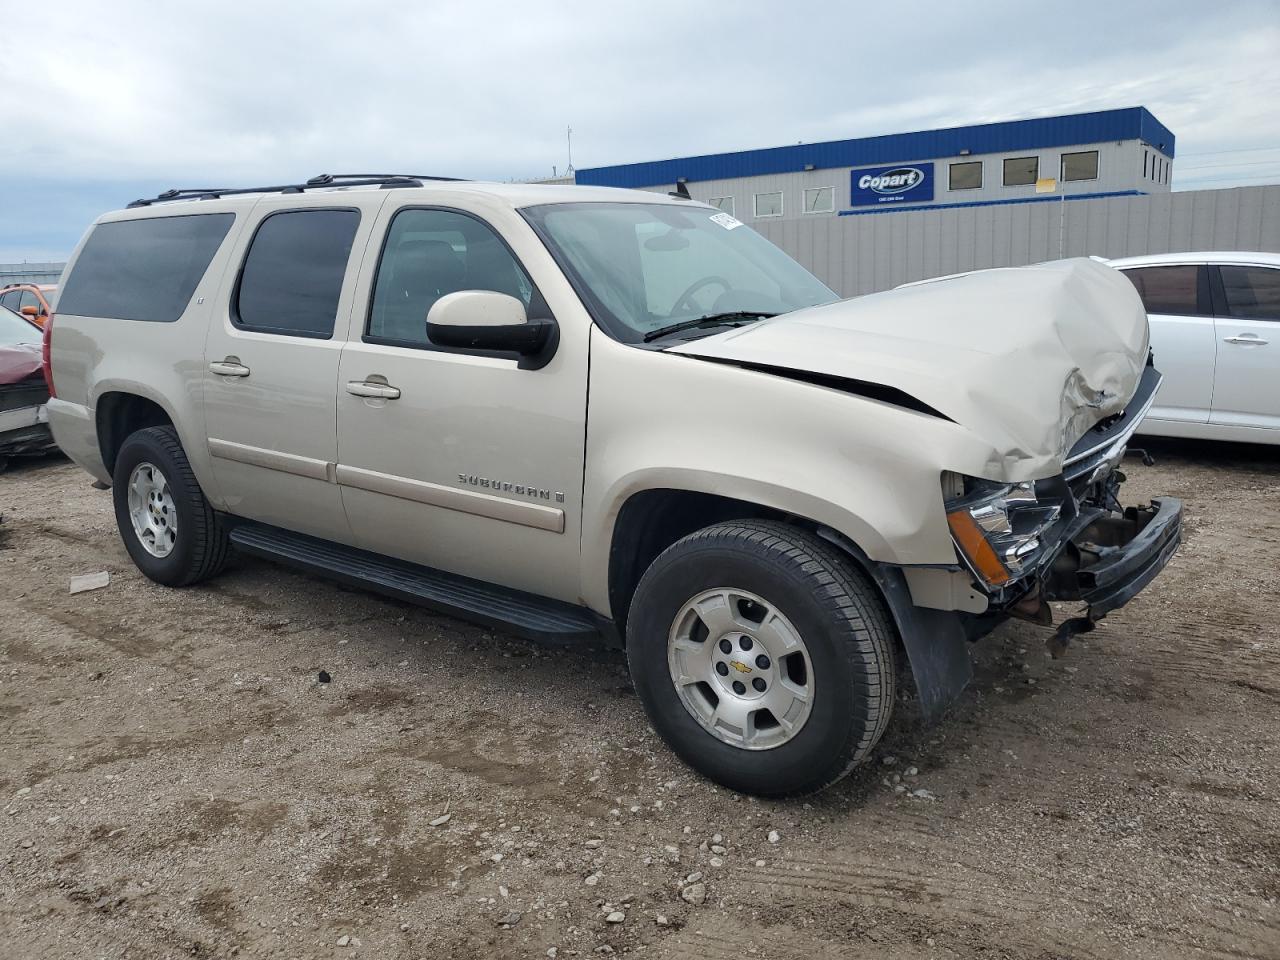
[167, 525]
[762, 657]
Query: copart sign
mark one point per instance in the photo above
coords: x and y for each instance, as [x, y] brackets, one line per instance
[905, 183]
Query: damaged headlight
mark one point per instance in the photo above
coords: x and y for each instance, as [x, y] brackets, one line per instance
[997, 527]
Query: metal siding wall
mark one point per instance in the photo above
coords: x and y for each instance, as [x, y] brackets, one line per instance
[857, 255]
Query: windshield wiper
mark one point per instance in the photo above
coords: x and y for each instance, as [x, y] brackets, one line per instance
[732, 318]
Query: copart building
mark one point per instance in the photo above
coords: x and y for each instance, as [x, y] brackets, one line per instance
[1113, 153]
[869, 213]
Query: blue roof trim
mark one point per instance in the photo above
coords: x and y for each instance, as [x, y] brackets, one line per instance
[1058, 198]
[1130, 123]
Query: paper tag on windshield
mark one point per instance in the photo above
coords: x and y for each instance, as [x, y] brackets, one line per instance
[725, 220]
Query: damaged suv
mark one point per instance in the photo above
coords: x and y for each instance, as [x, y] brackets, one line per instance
[573, 412]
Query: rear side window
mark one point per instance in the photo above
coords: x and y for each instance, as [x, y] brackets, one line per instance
[1251, 292]
[143, 269]
[1170, 290]
[292, 276]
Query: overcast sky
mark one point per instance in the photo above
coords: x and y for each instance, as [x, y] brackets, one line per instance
[107, 102]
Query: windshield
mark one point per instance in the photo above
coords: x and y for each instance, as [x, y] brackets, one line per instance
[645, 266]
[14, 329]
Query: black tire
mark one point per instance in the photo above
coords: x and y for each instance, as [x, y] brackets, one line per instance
[201, 546]
[838, 612]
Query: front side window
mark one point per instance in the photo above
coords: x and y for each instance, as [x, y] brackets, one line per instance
[1252, 292]
[143, 269]
[722, 203]
[966, 175]
[768, 204]
[1080, 166]
[292, 276]
[642, 266]
[1168, 290]
[820, 200]
[431, 253]
[10, 300]
[1021, 171]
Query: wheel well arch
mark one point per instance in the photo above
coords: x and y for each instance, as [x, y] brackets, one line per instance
[652, 520]
[118, 414]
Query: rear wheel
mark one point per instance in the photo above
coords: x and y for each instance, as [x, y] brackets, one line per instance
[167, 525]
[763, 658]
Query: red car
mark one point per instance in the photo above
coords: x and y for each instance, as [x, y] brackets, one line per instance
[24, 427]
[29, 299]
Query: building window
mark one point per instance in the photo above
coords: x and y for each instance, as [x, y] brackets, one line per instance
[1080, 166]
[1021, 171]
[965, 176]
[768, 204]
[1145, 165]
[722, 203]
[820, 200]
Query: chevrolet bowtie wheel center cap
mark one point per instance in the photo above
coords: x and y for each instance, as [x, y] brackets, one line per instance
[741, 669]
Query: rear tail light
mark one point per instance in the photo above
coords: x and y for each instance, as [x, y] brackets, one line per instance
[44, 355]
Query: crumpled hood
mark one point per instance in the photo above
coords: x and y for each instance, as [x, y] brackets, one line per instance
[1026, 358]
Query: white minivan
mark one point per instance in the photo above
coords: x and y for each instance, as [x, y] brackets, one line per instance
[1215, 332]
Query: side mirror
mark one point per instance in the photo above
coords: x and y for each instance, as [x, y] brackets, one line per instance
[487, 320]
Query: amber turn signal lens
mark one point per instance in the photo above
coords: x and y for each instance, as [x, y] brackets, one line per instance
[968, 535]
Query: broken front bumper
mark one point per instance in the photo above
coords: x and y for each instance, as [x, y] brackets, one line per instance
[1111, 559]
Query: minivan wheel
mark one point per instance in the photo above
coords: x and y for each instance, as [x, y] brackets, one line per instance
[167, 525]
[762, 656]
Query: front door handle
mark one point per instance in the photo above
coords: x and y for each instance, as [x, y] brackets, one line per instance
[230, 367]
[367, 388]
[1248, 339]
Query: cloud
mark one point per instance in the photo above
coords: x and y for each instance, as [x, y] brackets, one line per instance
[128, 94]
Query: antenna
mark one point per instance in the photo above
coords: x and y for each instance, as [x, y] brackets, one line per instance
[568, 133]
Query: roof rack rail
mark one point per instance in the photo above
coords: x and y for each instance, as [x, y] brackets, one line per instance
[387, 181]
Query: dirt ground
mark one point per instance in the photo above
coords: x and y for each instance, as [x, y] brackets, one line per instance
[174, 780]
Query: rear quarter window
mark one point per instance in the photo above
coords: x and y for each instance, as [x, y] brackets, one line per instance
[143, 269]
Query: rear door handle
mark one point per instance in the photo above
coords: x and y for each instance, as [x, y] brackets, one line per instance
[230, 367]
[1247, 339]
[367, 388]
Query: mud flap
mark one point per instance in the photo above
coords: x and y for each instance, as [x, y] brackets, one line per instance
[938, 650]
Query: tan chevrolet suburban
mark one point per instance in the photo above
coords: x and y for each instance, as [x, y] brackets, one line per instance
[571, 412]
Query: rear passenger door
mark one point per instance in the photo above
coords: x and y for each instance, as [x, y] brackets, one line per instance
[271, 360]
[1176, 298]
[1246, 391]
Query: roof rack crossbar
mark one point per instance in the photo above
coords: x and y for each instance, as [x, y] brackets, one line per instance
[384, 180]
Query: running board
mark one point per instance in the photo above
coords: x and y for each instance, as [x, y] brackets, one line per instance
[523, 614]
